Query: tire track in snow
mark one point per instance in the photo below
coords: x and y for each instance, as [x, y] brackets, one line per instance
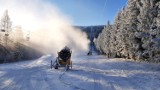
[102, 72]
[96, 80]
[93, 76]
[42, 80]
[95, 71]
[68, 84]
[20, 78]
[112, 82]
[8, 80]
[24, 78]
[48, 81]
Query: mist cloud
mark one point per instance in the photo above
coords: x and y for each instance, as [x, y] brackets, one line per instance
[50, 29]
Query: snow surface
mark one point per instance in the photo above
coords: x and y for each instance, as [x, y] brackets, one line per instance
[88, 73]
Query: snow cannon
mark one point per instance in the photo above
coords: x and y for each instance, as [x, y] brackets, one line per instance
[63, 59]
[89, 53]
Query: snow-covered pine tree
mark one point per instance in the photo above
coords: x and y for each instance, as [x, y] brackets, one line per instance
[131, 21]
[117, 34]
[154, 30]
[108, 40]
[102, 42]
[122, 34]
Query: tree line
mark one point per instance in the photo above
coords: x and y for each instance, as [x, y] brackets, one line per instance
[135, 33]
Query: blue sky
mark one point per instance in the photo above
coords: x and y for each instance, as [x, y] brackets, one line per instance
[89, 12]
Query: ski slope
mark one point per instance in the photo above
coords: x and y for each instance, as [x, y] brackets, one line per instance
[88, 73]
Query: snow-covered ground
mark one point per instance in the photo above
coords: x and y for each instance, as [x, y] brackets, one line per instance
[88, 73]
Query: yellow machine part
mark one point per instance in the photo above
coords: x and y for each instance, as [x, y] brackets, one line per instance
[68, 62]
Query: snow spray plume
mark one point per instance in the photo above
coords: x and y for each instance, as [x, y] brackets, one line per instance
[50, 30]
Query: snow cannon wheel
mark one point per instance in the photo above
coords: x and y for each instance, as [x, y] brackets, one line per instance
[67, 67]
[51, 64]
[71, 65]
[55, 66]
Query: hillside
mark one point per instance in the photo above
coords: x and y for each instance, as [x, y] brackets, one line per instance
[17, 52]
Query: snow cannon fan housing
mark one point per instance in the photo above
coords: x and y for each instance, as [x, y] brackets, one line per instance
[63, 59]
[64, 54]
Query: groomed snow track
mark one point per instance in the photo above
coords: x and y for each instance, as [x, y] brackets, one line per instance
[88, 73]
